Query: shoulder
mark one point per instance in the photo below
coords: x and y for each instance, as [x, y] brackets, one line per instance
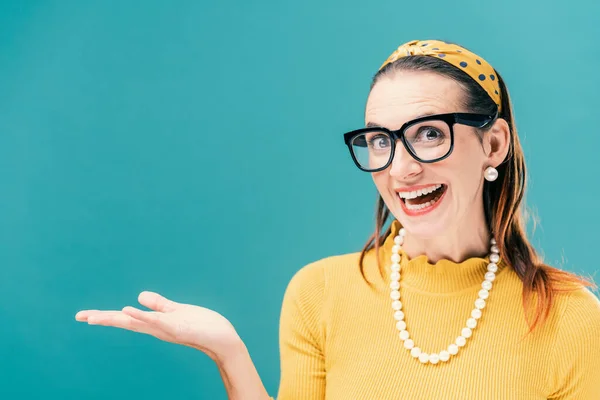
[314, 277]
[580, 314]
[575, 362]
[306, 294]
[573, 305]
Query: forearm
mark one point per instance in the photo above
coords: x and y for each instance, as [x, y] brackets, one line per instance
[240, 376]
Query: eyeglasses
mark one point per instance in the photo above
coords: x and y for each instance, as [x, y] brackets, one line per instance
[427, 139]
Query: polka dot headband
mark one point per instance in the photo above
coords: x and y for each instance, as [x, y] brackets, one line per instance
[475, 66]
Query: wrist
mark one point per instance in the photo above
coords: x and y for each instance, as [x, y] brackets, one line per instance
[234, 353]
[239, 374]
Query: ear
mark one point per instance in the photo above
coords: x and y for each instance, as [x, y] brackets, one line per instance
[496, 143]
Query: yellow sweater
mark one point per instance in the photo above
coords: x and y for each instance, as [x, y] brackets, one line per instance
[338, 339]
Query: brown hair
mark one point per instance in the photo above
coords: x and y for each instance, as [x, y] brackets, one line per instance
[502, 198]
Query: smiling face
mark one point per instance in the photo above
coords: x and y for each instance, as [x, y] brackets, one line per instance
[440, 198]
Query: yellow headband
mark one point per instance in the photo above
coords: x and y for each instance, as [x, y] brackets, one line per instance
[475, 66]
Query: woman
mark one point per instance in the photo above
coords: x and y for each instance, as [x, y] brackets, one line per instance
[448, 302]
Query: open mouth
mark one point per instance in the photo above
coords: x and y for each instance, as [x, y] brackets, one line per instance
[423, 198]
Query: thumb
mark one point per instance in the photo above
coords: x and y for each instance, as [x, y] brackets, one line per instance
[156, 302]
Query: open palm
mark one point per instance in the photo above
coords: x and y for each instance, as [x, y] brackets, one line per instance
[185, 324]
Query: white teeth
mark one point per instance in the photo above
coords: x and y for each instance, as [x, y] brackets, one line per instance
[416, 193]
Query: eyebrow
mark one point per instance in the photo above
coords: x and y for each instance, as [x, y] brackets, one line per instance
[376, 125]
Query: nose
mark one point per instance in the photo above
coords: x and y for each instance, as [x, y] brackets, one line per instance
[404, 166]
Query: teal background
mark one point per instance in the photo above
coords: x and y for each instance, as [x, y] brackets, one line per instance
[194, 148]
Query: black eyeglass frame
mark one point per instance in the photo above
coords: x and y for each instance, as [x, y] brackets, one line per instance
[479, 121]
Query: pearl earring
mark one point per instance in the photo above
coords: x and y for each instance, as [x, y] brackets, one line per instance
[490, 174]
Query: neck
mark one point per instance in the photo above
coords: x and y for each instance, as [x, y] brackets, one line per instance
[468, 240]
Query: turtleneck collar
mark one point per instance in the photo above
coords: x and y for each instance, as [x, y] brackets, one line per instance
[442, 277]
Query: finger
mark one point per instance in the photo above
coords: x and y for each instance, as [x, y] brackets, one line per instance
[156, 302]
[149, 317]
[83, 315]
[157, 320]
[124, 321]
[104, 317]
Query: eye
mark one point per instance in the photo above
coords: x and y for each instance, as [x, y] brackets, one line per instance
[379, 142]
[430, 134]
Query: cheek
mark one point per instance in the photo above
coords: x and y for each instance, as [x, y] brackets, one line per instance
[382, 182]
[464, 173]
[467, 159]
[470, 141]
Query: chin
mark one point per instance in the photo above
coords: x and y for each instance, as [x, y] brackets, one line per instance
[423, 229]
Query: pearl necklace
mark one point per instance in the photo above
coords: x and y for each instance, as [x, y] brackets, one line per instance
[466, 332]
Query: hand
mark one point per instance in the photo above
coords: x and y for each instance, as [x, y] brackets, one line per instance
[189, 325]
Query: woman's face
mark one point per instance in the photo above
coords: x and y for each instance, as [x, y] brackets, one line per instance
[453, 187]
